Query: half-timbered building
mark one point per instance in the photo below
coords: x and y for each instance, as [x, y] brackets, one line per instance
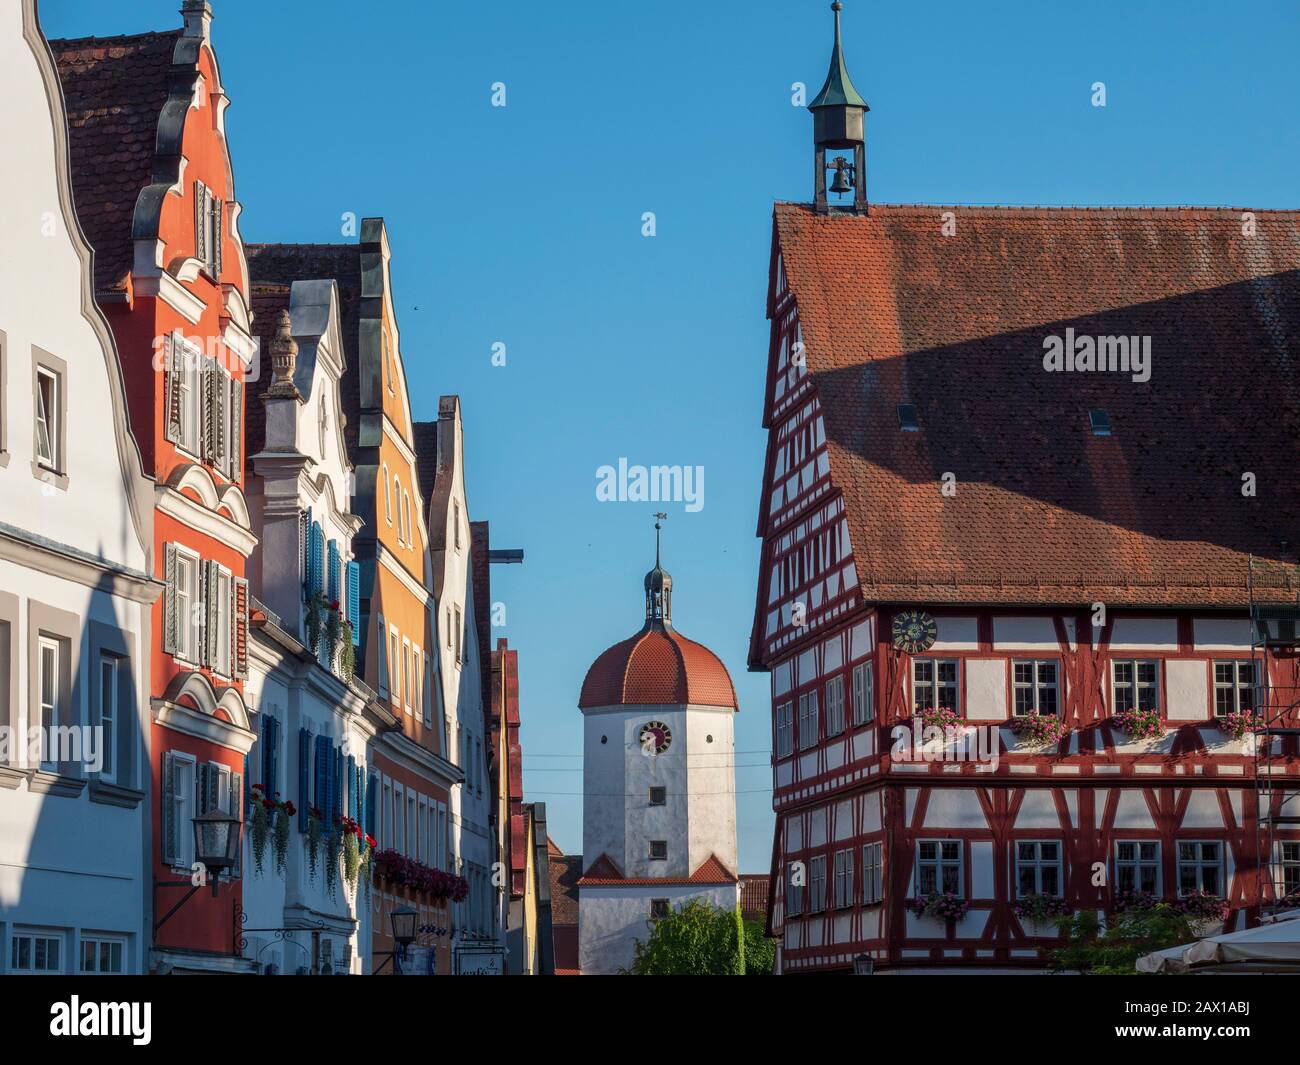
[154, 192]
[1029, 480]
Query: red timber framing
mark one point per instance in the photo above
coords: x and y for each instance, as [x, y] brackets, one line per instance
[1166, 812]
[155, 195]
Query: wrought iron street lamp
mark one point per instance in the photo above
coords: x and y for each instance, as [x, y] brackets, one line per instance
[216, 843]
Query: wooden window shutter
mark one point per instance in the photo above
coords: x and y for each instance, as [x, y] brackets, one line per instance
[207, 600]
[207, 442]
[371, 798]
[220, 416]
[172, 381]
[332, 572]
[201, 222]
[236, 430]
[169, 599]
[236, 808]
[304, 547]
[171, 852]
[338, 781]
[354, 602]
[322, 776]
[317, 581]
[218, 215]
[352, 796]
[239, 626]
[304, 777]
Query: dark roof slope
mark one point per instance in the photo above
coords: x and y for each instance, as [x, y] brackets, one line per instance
[114, 89]
[893, 311]
[271, 265]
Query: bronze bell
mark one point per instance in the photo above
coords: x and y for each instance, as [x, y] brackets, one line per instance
[843, 181]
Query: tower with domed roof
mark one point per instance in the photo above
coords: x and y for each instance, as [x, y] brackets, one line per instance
[659, 798]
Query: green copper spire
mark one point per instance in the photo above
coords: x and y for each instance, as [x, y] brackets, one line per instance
[838, 90]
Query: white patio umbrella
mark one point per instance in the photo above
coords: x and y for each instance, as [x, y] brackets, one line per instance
[1273, 947]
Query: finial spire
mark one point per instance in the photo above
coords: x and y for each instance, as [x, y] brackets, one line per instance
[284, 358]
[658, 586]
[660, 518]
[838, 90]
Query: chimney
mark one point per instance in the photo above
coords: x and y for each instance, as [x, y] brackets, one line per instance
[198, 19]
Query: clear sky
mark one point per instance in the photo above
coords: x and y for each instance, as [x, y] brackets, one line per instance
[523, 225]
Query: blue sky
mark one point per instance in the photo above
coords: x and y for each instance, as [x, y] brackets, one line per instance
[522, 225]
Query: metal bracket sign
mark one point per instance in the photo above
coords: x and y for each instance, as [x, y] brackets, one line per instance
[480, 961]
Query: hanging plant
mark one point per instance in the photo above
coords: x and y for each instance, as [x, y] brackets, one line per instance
[316, 609]
[260, 830]
[1139, 723]
[333, 628]
[1040, 728]
[333, 847]
[1041, 907]
[315, 830]
[284, 813]
[1137, 901]
[946, 906]
[368, 845]
[1239, 724]
[353, 839]
[1204, 906]
[347, 659]
[944, 718]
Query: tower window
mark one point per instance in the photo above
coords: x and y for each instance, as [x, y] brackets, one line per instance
[658, 796]
[658, 909]
[1100, 422]
[659, 849]
[907, 418]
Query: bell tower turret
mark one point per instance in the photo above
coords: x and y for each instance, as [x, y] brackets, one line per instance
[838, 123]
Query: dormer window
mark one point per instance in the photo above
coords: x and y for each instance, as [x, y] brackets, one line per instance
[1099, 420]
[907, 418]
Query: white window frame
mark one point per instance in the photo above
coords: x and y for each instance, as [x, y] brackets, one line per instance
[794, 893]
[191, 396]
[46, 413]
[406, 677]
[1035, 860]
[933, 685]
[49, 650]
[426, 691]
[1035, 687]
[100, 941]
[109, 714]
[1198, 864]
[459, 633]
[809, 725]
[46, 935]
[784, 730]
[223, 664]
[835, 722]
[864, 694]
[187, 597]
[185, 806]
[1133, 686]
[1288, 867]
[844, 879]
[395, 666]
[947, 854]
[399, 818]
[388, 496]
[1235, 689]
[1137, 864]
[873, 873]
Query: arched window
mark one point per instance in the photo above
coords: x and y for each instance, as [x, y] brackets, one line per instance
[388, 498]
[401, 518]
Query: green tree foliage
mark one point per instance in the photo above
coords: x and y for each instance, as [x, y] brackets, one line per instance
[760, 952]
[1115, 951]
[696, 940]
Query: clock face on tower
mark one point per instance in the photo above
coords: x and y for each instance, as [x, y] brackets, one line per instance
[914, 631]
[656, 737]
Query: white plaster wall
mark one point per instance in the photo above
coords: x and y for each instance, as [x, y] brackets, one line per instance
[1187, 689]
[957, 634]
[711, 782]
[1221, 634]
[986, 689]
[1137, 634]
[612, 919]
[1029, 634]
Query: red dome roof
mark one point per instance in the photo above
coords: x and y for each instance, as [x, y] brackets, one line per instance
[657, 666]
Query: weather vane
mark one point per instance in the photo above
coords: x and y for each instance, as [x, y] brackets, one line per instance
[660, 518]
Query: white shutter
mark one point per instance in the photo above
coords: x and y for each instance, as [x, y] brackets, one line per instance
[169, 601]
[201, 222]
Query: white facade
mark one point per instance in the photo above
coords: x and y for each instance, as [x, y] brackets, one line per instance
[612, 919]
[75, 598]
[462, 687]
[314, 723]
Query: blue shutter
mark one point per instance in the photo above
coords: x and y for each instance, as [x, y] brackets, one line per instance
[332, 574]
[322, 776]
[275, 757]
[304, 778]
[316, 563]
[337, 793]
[372, 791]
[352, 788]
[354, 604]
[304, 547]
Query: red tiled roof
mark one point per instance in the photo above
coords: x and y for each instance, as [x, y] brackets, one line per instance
[604, 873]
[894, 312]
[657, 666]
[565, 873]
[753, 896]
[115, 89]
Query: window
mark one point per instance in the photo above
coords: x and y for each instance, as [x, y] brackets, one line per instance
[186, 377]
[934, 684]
[47, 418]
[412, 826]
[843, 879]
[658, 909]
[455, 523]
[208, 216]
[807, 720]
[406, 510]
[395, 656]
[185, 618]
[401, 520]
[386, 816]
[864, 708]
[659, 849]
[406, 675]
[1033, 683]
[1200, 868]
[785, 730]
[426, 692]
[938, 867]
[907, 418]
[1137, 866]
[1136, 684]
[794, 890]
[1289, 858]
[102, 955]
[221, 664]
[817, 884]
[1099, 422]
[834, 706]
[108, 713]
[399, 819]
[1234, 686]
[872, 874]
[460, 635]
[388, 497]
[658, 796]
[49, 695]
[383, 659]
[449, 628]
[35, 952]
[1038, 868]
[179, 787]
